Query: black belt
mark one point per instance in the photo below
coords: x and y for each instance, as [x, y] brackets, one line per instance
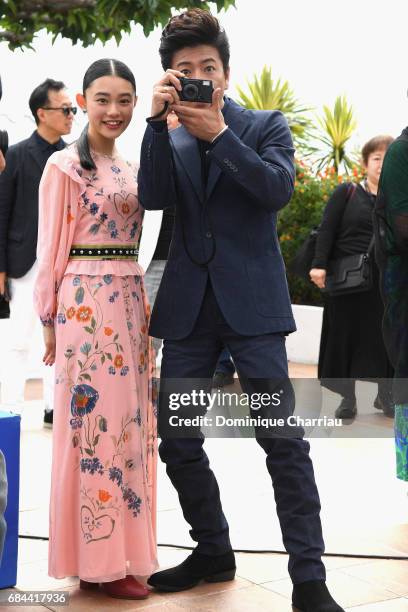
[101, 251]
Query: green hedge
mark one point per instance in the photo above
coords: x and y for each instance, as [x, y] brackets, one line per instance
[302, 214]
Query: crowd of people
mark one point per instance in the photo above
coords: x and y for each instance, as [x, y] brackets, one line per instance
[71, 219]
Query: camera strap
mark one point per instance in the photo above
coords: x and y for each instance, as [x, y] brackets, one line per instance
[155, 117]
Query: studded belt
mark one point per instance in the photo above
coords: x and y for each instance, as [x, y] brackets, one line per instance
[102, 251]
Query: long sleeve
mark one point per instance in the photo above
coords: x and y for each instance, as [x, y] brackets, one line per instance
[332, 217]
[7, 197]
[156, 189]
[267, 175]
[394, 185]
[57, 215]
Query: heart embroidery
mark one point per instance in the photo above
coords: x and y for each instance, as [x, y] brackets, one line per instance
[126, 207]
[94, 527]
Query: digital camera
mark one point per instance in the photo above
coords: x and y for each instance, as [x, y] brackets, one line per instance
[196, 90]
[3, 135]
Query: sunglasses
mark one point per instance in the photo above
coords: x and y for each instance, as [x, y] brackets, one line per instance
[66, 110]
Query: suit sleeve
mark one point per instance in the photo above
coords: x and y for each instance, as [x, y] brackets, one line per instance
[8, 182]
[267, 174]
[156, 188]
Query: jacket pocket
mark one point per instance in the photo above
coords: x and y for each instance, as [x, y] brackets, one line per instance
[267, 281]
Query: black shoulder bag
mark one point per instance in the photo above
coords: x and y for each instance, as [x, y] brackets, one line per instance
[350, 274]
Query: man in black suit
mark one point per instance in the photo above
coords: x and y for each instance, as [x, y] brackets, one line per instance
[25, 162]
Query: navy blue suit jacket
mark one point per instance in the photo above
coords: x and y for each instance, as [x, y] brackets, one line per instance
[231, 219]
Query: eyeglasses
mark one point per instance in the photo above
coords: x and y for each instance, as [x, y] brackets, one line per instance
[66, 110]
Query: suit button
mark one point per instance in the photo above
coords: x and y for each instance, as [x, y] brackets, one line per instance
[208, 235]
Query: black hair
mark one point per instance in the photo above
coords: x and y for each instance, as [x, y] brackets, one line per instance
[190, 29]
[39, 97]
[100, 68]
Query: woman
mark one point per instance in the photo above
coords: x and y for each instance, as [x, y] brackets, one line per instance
[392, 256]
[351, 345]
[90, 298]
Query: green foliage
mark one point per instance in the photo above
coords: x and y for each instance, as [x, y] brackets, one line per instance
[266, 93]
[86, 21]
[303, 213]
[337, 127]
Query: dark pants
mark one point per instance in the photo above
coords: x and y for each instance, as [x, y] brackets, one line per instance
[258, 359]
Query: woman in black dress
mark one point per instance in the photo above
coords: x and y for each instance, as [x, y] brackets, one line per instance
[351, 345]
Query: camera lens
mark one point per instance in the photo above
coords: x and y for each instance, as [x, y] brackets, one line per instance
[190, 92]
[3, 142]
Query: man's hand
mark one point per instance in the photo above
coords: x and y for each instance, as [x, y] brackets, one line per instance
[204, 121]
[3, 278]
[2, 162]
[318, 277]
[49, 341]
[166, 90]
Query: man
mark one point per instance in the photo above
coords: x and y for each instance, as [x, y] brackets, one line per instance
[228, 171]
[25, 162]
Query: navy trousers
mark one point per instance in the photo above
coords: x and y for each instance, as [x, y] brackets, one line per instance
[257, 359]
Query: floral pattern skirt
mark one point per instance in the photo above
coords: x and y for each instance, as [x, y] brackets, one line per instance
[103, 488]
[401, 440]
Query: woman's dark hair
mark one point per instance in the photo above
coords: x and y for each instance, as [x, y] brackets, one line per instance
[39, 97]
[375, 144]
[190, 29]
[100, 68]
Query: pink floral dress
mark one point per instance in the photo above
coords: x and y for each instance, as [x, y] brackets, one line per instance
[103, 491]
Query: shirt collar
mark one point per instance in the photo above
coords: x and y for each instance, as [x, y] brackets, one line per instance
[47, 146]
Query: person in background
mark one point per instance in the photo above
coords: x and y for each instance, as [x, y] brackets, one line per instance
[352, 346]
[2, 162]
[25, 161]
[3, 502]
[392, 257]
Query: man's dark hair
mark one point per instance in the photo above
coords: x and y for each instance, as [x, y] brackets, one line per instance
[39, 97]
[190, 29]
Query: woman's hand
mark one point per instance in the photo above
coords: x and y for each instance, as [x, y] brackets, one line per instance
[318, 277]
[166, 90]
[49, 341]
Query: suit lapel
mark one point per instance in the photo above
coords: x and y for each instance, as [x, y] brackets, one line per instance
[186, 149]
[234, 116]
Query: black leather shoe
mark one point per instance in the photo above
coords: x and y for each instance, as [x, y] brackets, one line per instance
[222, 379]
[313, 596]
[194, 569]
[386, 405]
[347, 409]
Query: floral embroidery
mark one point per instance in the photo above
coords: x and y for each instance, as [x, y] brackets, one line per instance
[83, 314]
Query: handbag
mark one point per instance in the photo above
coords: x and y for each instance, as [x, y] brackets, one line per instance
[302, 262]
[350, 274]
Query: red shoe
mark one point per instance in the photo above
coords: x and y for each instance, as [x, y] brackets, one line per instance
[126, 588]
